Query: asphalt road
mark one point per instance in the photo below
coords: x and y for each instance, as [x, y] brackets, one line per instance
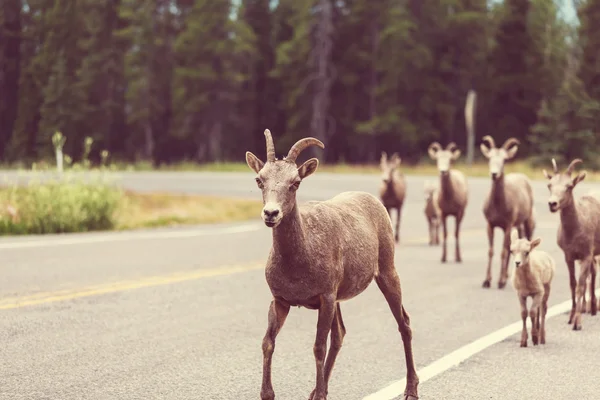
[180, 313]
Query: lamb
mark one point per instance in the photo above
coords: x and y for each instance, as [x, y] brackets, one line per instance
[578, 233]
[453, 197]
[432, 212]
[532, 276]
[393, 188]
[509, 204]
[323, 253]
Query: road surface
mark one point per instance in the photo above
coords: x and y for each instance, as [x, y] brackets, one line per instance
[180, 313]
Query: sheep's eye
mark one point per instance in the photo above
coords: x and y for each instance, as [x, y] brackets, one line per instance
[295, 185]
[259, 183]
[526, 253]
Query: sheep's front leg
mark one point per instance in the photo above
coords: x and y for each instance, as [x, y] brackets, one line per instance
[436, 226]
[430, 225]
[504, 258]
[398, 218]
[523, 302]
[534, 313]
[326, 314]
[458, 220]
[278, 312]
[572, 284]
[488, 275]
[586, 266]
[544, 310]
[445, 238]
[338, 331]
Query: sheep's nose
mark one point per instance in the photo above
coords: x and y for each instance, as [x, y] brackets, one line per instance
[553, 204]
[517, 263]
[494, 175]
[271, 213]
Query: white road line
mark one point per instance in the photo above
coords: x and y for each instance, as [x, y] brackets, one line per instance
[456, 357]
[121, 237]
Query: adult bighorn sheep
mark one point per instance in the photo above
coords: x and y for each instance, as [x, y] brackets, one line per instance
[453, 196]
[393, 188]
[509, 204]
[324, 252]
[578, 233]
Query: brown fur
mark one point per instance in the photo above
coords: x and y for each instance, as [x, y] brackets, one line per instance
[532, 277]
[578, 234]
[323, 253]
[454, 195]
[432, 212]
[393, 188]
[509, 204]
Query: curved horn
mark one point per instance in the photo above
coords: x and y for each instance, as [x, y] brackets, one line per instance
[572, 165]
[489, 141]
[435, 146]
[554, 166]
[270, 146]
[302, 144]
[510, 142]
[451, 146]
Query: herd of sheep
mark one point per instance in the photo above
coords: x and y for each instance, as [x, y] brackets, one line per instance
[326, 252]
[509, 206]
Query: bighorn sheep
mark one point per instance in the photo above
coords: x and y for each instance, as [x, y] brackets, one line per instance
[393, 188]
[324, 252]
[509, 204]
[578, 233]
[432, 212]
[532, 276]
[453, 195]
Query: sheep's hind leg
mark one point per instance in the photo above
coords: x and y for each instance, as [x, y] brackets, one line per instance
[398, 218]
[593, 300]
[278, 312]
[338, 331]
[389, 284]
[544, 310]
[586, 265]
[488, 274]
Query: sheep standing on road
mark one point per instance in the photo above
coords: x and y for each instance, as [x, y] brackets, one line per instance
[432, 212]
[393, 188]
[453, 196]
[509, 204]
[578, 233]
[323, 253]
[532, 277]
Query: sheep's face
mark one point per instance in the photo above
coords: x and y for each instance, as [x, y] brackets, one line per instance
[388, 167]
[497, 157]
[521, 248]
[561, 187]
[444, 157]
[279, 180]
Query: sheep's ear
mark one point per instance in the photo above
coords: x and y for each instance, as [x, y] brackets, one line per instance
[432, 152]
[383, 159]
[396, 159]
[253, 162]
[485, 150]
[579, 178]
[535, 243]
[547, 175]
[510, 153]
[514, 235]
[308, 168]
[455, 154]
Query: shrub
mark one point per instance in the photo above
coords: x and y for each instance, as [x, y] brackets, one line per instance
[77, 200]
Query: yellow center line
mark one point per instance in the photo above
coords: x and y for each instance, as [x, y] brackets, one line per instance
[62, 295]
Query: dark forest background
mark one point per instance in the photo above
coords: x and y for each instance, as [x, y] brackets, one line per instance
[200, 80]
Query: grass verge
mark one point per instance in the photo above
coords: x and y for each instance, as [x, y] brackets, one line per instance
[164, 209]
[63, 207]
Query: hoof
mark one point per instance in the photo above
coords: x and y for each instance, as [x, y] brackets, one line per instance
[523, 344]
[314, 397]
[486, 284]
[535, 341]
[501, 285]
[576, 327]
[459, 260]
[542, 341]
[410, 397]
